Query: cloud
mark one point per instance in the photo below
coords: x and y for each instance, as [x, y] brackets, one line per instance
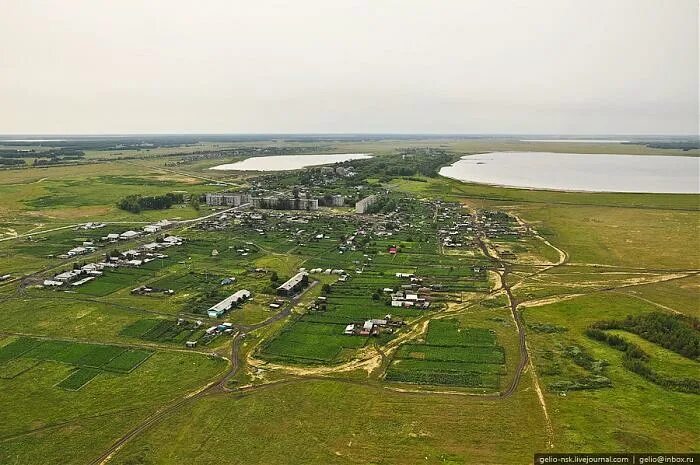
[541, 66]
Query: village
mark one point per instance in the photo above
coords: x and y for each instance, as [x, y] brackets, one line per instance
[371, 253]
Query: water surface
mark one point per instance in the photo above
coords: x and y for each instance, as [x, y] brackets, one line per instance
[580, 172]
[289, 162]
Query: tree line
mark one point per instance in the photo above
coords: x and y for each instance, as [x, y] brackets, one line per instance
[678, 333]
[137, 203]
[636, 360]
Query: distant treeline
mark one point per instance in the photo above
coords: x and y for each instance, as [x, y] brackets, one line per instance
[51, 153]
[137, 203]
[678, 145]
[14, 157]
[408, 163]
[12, 161]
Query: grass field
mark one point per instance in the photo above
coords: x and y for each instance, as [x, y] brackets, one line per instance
[361, 424]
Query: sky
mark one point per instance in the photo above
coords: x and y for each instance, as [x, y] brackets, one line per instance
[364, 66]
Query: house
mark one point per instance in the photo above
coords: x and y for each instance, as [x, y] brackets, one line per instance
[113, 237]
[350, 329]
[191, 344]
[294, 284]
[126, 235]
[172, 240]
[392, 250]
[52, 283]
[79, 251]
[67, 276]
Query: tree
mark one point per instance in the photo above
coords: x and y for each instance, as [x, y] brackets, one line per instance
[326, 289]
[273, 277]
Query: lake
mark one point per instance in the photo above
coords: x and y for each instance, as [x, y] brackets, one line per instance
[580, 172]
[289, 162]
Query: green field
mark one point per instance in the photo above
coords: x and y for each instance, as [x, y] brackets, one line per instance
[451, 355]
[23, 354]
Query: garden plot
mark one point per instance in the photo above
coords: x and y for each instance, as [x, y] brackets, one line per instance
[114, 280]
[165, 331]
[90, 360]
[318, 336]
[450, 355]
[311, 343]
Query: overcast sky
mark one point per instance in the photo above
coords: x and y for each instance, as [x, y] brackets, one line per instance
[464, 66]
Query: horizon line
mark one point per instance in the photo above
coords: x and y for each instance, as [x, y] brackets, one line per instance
[431, 134]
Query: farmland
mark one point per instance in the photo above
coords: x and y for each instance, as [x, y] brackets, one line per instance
[89, 360]
[449, 323]
[450, 355]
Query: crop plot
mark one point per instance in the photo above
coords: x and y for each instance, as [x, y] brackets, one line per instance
[451, 355]
[128, 360]
[311, 343]
[17, 348]
[79, 378]
[16, 367]
[166, 331]
[90, 360]
[318, 335]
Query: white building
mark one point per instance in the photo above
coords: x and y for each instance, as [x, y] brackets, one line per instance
[128, 235]
[225, 305]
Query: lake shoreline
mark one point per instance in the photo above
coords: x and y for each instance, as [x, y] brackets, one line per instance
[551, 171]
[273, 163]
